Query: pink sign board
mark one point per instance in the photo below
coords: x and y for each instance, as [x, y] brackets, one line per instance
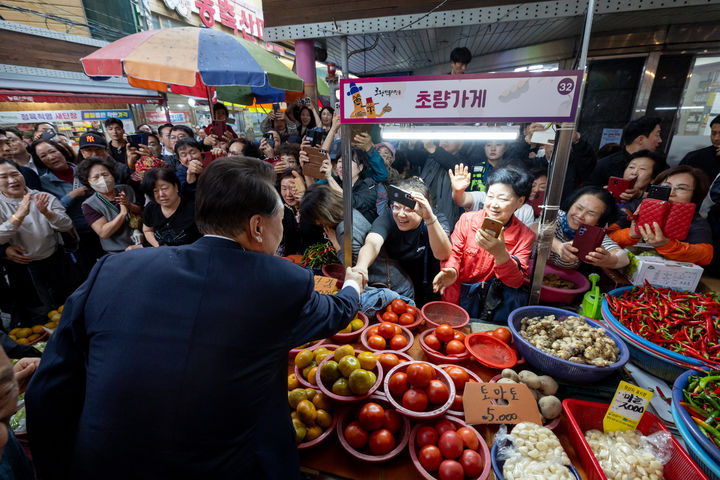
[491, 97]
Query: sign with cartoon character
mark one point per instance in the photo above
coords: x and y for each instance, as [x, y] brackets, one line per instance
[493, 97]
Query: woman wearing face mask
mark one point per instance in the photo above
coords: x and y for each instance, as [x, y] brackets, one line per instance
[29, 222]
[688, 184]
[61, 180]
[168, 219]
[108, 211]
[416, 237]
[478, 256]
[593, 206]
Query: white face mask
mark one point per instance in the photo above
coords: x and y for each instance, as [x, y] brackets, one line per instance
[540, 152]
[101, 185]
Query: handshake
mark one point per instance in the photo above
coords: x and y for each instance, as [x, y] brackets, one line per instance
[358, 275]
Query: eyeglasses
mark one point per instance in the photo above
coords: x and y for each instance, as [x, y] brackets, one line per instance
[178, 137]
[679, 188]
[397, 208]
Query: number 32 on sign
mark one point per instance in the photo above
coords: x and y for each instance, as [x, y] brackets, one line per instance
[627, 408]
[481, 403]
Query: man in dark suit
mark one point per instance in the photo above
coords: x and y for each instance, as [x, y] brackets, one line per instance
[142, 381]
[707, 159]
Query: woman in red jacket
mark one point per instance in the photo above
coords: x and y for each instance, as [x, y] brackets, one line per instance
[478, 257]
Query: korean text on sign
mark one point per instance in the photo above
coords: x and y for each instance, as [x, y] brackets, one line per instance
[455, 98]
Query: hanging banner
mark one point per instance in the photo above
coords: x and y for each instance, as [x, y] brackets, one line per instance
[492, 97]
[105, 114]
[41, 116]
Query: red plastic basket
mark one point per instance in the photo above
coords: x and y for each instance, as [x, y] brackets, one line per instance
[438, 357]
[583, 416]
[473, 376]
[411, 326]
[298, 373]
[352, 337]
[397, 403]
[438, 313]
[405, 333]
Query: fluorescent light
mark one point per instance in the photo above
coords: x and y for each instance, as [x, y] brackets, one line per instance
[191, 102]
[681, 108]
[442, 132]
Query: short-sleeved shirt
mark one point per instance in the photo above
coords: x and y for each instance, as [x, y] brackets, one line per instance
[607, 243]
[525, 213]
[94, 209]
[177, 229]
[410, 249]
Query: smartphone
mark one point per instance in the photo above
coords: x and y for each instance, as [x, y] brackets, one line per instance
[207, 157]
[276, 107]
[587, 239]
[312, 137]
[617, 185]
[273, 160]
[138, 139]
[316, 157]
[659, 192]
[400, 196]
[492, 226]
[270, 139]
[49, 134]
[218, 128]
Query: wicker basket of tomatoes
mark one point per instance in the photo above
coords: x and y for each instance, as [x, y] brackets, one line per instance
[449, 449]
[373, 431]
[387, 336]
[401, 313]
[443, 344]
[419, 390]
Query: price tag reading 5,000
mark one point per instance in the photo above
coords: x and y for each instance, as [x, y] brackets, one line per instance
[499, 403]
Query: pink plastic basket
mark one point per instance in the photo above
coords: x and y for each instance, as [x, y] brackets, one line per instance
[563, 295]
[328, 431]
[298, 373]
[438, 313]
[351, 337]
[350, 398]
[583, 416]
[405, 332]
[437, 411]
[439, 357]
[473, 376]
[482, 450]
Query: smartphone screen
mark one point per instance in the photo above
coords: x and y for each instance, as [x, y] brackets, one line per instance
[659, 192]
[138, 139]
[400, 196]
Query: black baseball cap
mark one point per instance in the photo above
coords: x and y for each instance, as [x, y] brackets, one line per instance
[92, 139]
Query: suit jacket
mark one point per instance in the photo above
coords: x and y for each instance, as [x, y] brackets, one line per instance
[182, 374]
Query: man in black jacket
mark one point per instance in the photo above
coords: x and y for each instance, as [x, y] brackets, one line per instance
[707, 159]
[640, 134]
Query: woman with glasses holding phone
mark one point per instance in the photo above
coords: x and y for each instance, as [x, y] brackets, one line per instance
[687, 185]
[414, 236]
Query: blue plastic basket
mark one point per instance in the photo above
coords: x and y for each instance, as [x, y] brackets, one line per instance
[554, 366]
[649, 361]
[695, 451]
[684, 417]
[497, 465]
[607, 315]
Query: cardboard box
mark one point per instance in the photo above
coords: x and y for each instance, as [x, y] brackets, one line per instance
[663, 272]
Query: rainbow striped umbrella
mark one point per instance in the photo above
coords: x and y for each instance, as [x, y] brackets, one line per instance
[190, 60]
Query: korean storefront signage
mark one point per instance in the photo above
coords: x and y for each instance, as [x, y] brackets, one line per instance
[232, 14]
[105, 114]
[41, 116]
[501, 97]
[159, 117]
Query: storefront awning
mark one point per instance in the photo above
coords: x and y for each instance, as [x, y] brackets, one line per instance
[33, 96]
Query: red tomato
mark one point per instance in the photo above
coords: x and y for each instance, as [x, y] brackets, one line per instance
[393, 421]
[386, 330]
[398, 384]
[371, 416]
[472, 463]
[451, 470]
[415, 400]
[433, 342]
[457, 404]
[450, 444]
[502, 334]
[444, 425]
[459, 377]
[388, 360]
[398, 342]
[399, 306]
[414, 311]
[455, 347]
[381, 442]
[355, 435]
[426, 435]
[372, 331]
[376, 342]
[406, 319]
[444, 333]
[458, 335]
[398, 330]
[430, 457]
[470, 439]
[390, 317]
[438, 392]
[419, 374]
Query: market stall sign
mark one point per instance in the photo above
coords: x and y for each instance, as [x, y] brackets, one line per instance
[105, 114]
[627, 408]
[229, 13]
[493, 97]
[325, 285]
[41, 116]
[480, 409]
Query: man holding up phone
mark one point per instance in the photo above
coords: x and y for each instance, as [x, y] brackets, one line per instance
[278, 121]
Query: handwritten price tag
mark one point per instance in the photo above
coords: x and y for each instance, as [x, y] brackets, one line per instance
[627, 408]
[325, 285]
[518, 403]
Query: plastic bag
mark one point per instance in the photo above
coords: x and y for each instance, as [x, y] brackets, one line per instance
[629, 454]
[532, 452]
